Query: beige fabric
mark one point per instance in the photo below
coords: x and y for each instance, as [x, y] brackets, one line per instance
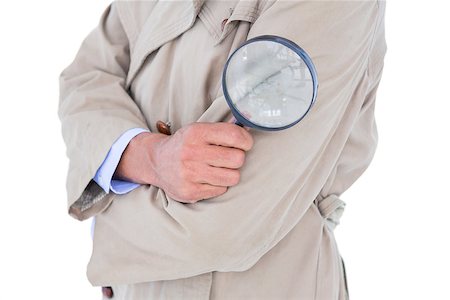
[270, 237]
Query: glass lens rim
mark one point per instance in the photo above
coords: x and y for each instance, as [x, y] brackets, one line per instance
[294, 47]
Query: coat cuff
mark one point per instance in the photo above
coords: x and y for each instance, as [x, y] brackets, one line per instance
[105, 172]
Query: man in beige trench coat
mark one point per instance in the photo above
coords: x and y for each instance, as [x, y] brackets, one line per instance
[264, 228]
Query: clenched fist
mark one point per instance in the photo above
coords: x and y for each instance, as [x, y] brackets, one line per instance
[199, 161]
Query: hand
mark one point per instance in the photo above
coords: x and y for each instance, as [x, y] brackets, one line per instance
[198, 162]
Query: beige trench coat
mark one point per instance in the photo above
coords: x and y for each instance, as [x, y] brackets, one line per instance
[269, 237]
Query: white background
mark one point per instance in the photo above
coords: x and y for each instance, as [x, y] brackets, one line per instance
[394, 235]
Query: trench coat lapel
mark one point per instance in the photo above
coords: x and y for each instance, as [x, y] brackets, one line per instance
[167, 20]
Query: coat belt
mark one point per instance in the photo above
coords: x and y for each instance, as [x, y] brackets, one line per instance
[331, 208]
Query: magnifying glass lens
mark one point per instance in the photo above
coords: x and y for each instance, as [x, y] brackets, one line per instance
[269, 84]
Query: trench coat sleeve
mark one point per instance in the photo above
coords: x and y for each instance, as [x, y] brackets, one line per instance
[283, 173]
[95, 110]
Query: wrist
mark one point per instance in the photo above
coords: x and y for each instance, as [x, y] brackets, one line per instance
[148, 145]
[137, 163]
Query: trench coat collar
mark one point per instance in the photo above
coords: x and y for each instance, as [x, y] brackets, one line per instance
[165, 22]
[240, 10]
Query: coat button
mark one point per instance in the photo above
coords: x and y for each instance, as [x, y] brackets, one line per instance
[163, 128]
[107, 292]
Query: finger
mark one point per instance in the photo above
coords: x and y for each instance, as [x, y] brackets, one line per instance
[218, 176]
[227, 134]
[222, 157]
[208, 191]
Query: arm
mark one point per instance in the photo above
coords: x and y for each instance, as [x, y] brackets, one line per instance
[94, 110]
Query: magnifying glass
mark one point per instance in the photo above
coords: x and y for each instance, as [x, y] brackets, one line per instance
[270, 83]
